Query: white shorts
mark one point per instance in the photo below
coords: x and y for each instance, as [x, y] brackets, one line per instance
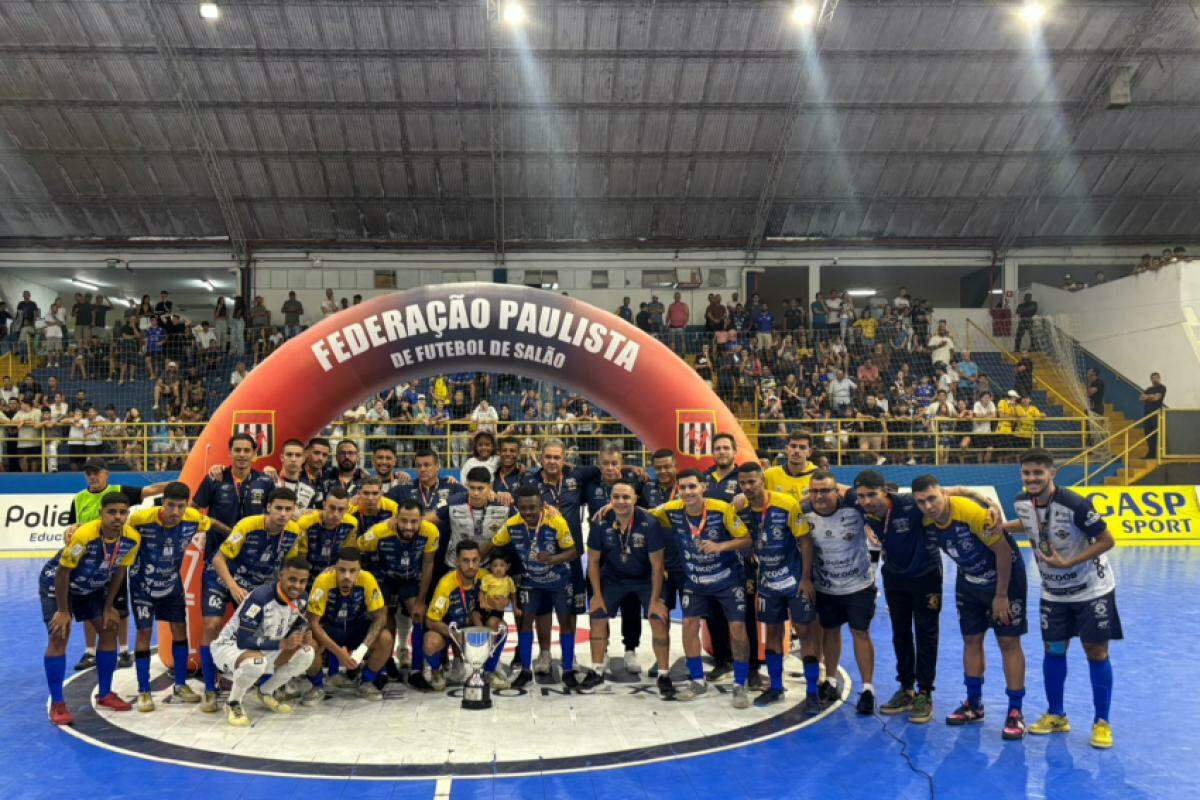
[226, 657]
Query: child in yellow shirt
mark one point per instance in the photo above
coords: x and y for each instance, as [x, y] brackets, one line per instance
[496, 591]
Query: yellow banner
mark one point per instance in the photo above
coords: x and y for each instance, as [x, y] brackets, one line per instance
[1149, 516]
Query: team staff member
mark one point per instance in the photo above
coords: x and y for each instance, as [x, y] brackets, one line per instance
[709, 536]
[509, 473]
[266, 634]
[85, 507]
[316, 465]
[625, 559]
[1079, 590]
[292, 456]
[662, 488]
[430, 490]
[348, 619]
[371, 507]
[455, 603]
[240, 492]
[912, 586]
[793, 476]
[328, 530]
[845, 582]
[401, 552]
[543, 544]
[784, 552]
[383, 462]
[989, 592]
[722, 485]
[345, 471]
[249, 557]
[81, 581]
[156, 587]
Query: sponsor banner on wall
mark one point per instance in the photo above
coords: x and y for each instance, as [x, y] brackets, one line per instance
[33, 524]
[1148, 515]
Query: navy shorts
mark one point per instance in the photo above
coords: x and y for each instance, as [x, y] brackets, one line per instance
[215, 597]
[121, 601]
[1093, 621]
[732, 600]
[672, 590]
[83, 607]
[856, 609]
[169, 608]
[535, 601]
[398, 590]
[975, 608]
[775, 609]
[616, 591]
[579, 588]
[349, 636]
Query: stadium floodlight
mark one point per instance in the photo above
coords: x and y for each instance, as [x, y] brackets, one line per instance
[85, 284]
[210, 11]
[207, 284]
[512, 14]
[804, 13]
[1031, 12]
[861, 292]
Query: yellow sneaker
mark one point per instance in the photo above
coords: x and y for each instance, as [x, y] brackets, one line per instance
[145, 702]
[1102, 735]
[236, 715]
[273, 703]
[1050, 723]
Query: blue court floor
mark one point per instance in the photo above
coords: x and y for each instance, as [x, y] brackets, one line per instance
[843, 756]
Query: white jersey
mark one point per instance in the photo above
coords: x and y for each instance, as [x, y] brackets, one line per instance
[262, 621]
[1070, 524]
[841, 559]
[304, 494]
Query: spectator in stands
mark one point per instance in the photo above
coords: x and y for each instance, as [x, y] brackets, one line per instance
[1006, 414]
[54, 331]
[870, 414]
[81, 314]
[344, 303]
[8, 390]
[1179, 253]
[144, 314]
[819, 314]
[164, 306]
[1023, 375]
[625, 311]
[258, 323]
[644, 321]
[126, 350]
[1027, 415]
[715, 314]
[764, 327]
[1098, 278]
[329, 306]
[7, 328]
[865, 327]
[841, 389]
[678, 315]
[484, 417]
[220, 324]
[793, 316]
[739, 320]
[1153, 397]
[868, 373]
[292, 310]
[29, 427]
[941, 346]
[983, 414]
[946, 380]
[28, 314]
[208, 347]
[1026, 311]
[168, 391]
[237, 328]
[178, 339]
[657, 311]
[1095, 392]
[846, 315]
[968, 374]
[156, 341]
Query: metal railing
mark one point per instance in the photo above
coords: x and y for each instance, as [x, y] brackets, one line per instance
[1012, 358]
[1117, 449]
[158, 446]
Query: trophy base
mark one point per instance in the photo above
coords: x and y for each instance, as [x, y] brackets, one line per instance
[477, 695]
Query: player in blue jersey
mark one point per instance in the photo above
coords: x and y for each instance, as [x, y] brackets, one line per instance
[156, 587]
[81, 582]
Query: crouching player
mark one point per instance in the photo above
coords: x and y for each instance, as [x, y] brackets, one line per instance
[266, 634]
[455, 604]
[349, 621]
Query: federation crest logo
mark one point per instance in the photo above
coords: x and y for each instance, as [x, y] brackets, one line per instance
[696, 429]
[261, 427]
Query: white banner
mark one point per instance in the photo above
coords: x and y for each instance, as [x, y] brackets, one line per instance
[33, 521]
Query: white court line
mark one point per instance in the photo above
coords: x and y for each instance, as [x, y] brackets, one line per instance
[441, 790]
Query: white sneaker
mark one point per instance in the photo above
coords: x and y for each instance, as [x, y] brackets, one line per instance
[313, 697]
[343, 681]
[631, 662]
[497, 681]
[542, 665]
[436, 679]
[458, 671]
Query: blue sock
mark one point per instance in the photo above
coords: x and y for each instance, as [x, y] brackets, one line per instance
[56, 670]
[179, 656]
[208, 668]
[1102, 683]
[695, 668]
[141, 665]
[812, 675]
[775, 670]
[434, 660]
[1054, 675]
[740, 670]
[525, 649]
[566, 642]
[332, 664]
[974, 690]
[418, 647]
[1015, 698]
[368, 675]
[106, 665]
[494, 659]
[318, 680]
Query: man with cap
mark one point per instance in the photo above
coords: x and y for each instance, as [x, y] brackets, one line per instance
[85, 507]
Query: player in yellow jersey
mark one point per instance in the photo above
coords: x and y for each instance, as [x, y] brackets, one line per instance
[455, 604]
[793, 477]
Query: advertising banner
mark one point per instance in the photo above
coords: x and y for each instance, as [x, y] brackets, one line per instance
[1153, 516]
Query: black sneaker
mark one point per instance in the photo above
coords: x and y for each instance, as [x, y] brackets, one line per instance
[591, 680]
[569, 679]
[964, 715]
[718, 671]
[755, 682]
[666, 689]
[828, 693]
[125, 660]
[393, 669]
[418, 681]
[653, 673]
[523, 680]
[768, 697]
[866, 704]
[1014, 726]
[86, 661]
[812, 705]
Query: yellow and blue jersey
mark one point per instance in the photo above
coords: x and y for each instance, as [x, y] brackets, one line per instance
[92, 561]
[778, 479]
[387, 510]
[323, 542]
[553, 536]
[254, 555]
[968, 541]
[454, 602]
[392, 556]
[328, 604]
[708, 572]
[155, 572]
[776, 530]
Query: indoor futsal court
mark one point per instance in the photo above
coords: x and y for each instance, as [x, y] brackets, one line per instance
[613, 399]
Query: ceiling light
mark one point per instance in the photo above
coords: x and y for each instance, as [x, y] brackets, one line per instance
[804, 13]
[85, 284]
[861, 292]
[512, 14]
[121, 301]
[1031, 12]
[996, 291]
[207, 284]
[210, 11]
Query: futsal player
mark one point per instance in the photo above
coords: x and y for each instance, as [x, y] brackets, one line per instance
[784, 553]
[348, 618]
[316, 468]
[1079, 590]
[455, 603]
[249, 557]
[662, 488]
[266, 635]
[430, 490]
[81, 582]
[795, 473]
[328, 530]
[509, 472]
[625, 559]
[370, 507]
[710, 537]
[292, 456]
[242, 491]
[400, 553]
[722, 485]
[845, 583]
[989, 592]
[383, 464]
[156, 588]
[544, 545]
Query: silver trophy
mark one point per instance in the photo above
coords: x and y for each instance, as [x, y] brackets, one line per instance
[477, 644]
